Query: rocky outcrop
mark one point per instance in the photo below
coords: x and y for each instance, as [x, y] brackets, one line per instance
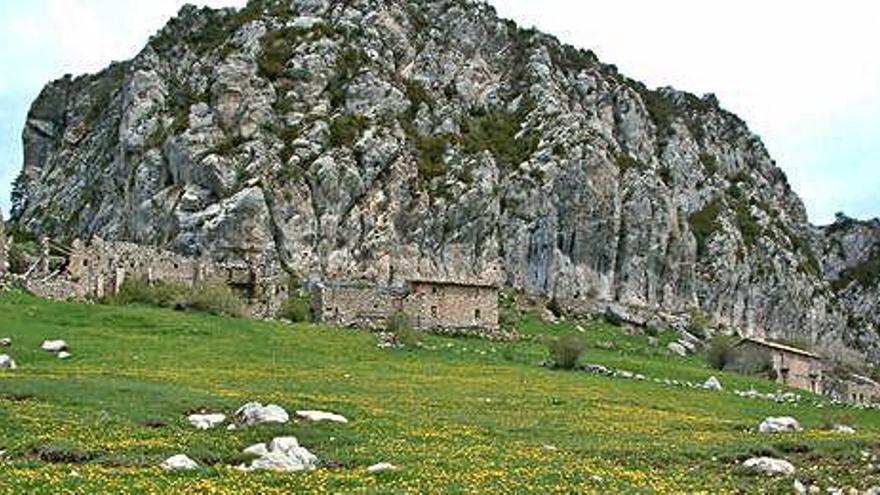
[384, 140]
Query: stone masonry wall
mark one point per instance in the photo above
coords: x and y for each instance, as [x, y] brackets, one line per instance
[430, 305]
[365, 306]
[448, 305]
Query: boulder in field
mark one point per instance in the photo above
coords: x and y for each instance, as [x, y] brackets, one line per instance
[770, 466]
[206, 421]
[779, 425]
[281, 454]
[322, 416]
[254, 413]
[7, 363]
[54, 345]
[178, 462]
[712, 384]
[63, 355]
[677, 349]
[381, 467]
[6, 342]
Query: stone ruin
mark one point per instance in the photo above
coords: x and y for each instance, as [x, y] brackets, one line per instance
[96, 269]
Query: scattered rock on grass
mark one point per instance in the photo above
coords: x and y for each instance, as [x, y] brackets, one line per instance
[779, 425]
[178, 462]
[770, 466]
[281, 454]
[7, 363]
[206, 421]
[381, 466]
[677, 349]
[5, 342]
[254, 413]
[845, 429]
[322, 416]
[63, 355]
[712, 384]
[54, 345]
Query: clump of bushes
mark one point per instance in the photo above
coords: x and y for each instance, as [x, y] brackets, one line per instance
[400, 325]
[721, 351]
[565, 351]
[210, 297]
[297, 308]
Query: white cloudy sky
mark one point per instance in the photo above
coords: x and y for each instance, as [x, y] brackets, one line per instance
[803, 73]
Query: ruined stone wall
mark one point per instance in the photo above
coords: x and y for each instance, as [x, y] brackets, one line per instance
[443, 305]
[861, 392]
[365, 306]
[102, 267]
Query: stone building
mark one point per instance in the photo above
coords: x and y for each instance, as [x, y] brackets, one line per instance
[860, 389]
[430, 304]
[793, 367]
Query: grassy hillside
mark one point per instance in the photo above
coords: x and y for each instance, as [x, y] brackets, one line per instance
[460, 416]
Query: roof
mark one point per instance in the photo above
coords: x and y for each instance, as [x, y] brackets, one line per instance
[483, 285]
[864, 380]
[779, 347]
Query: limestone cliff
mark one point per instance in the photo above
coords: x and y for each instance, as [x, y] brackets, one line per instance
[390, 139]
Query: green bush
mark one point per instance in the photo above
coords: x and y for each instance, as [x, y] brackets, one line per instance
[565, 351]
[721, 351]
[400, 324]
[704, 224]
[214, 297]
[297, 308]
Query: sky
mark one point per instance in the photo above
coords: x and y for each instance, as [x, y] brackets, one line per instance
[802, 73]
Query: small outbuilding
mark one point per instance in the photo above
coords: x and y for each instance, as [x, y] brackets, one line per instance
[793, 367]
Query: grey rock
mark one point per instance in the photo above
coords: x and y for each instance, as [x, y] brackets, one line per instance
[677, 349]
[7, 363]
[254, 413]
[54, 345]
[779, 425]
[604, 193]
[769, 466]
[206, 421]
[179, 462]
[712, 384]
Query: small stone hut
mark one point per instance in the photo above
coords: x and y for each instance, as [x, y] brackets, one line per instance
[430, 304]
[860, 389]
[794, 367]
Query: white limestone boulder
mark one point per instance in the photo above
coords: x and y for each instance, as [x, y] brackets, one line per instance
[7, 363]
[712, 384]
[381, 467]
[54, 345]
[769, 466]
[6, 342]
[844, 429]
[254, 413]
[206, 421]
[317, 416]
[782, 424]
[283, 454]
[178, 462]
[63, 355]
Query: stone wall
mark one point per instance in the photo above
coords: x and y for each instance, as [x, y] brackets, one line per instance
[861, 390]
[356, 305]
[99, 268]
[452, 305]
[430, 305]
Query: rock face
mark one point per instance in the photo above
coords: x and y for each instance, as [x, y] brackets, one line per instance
[385, 140]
